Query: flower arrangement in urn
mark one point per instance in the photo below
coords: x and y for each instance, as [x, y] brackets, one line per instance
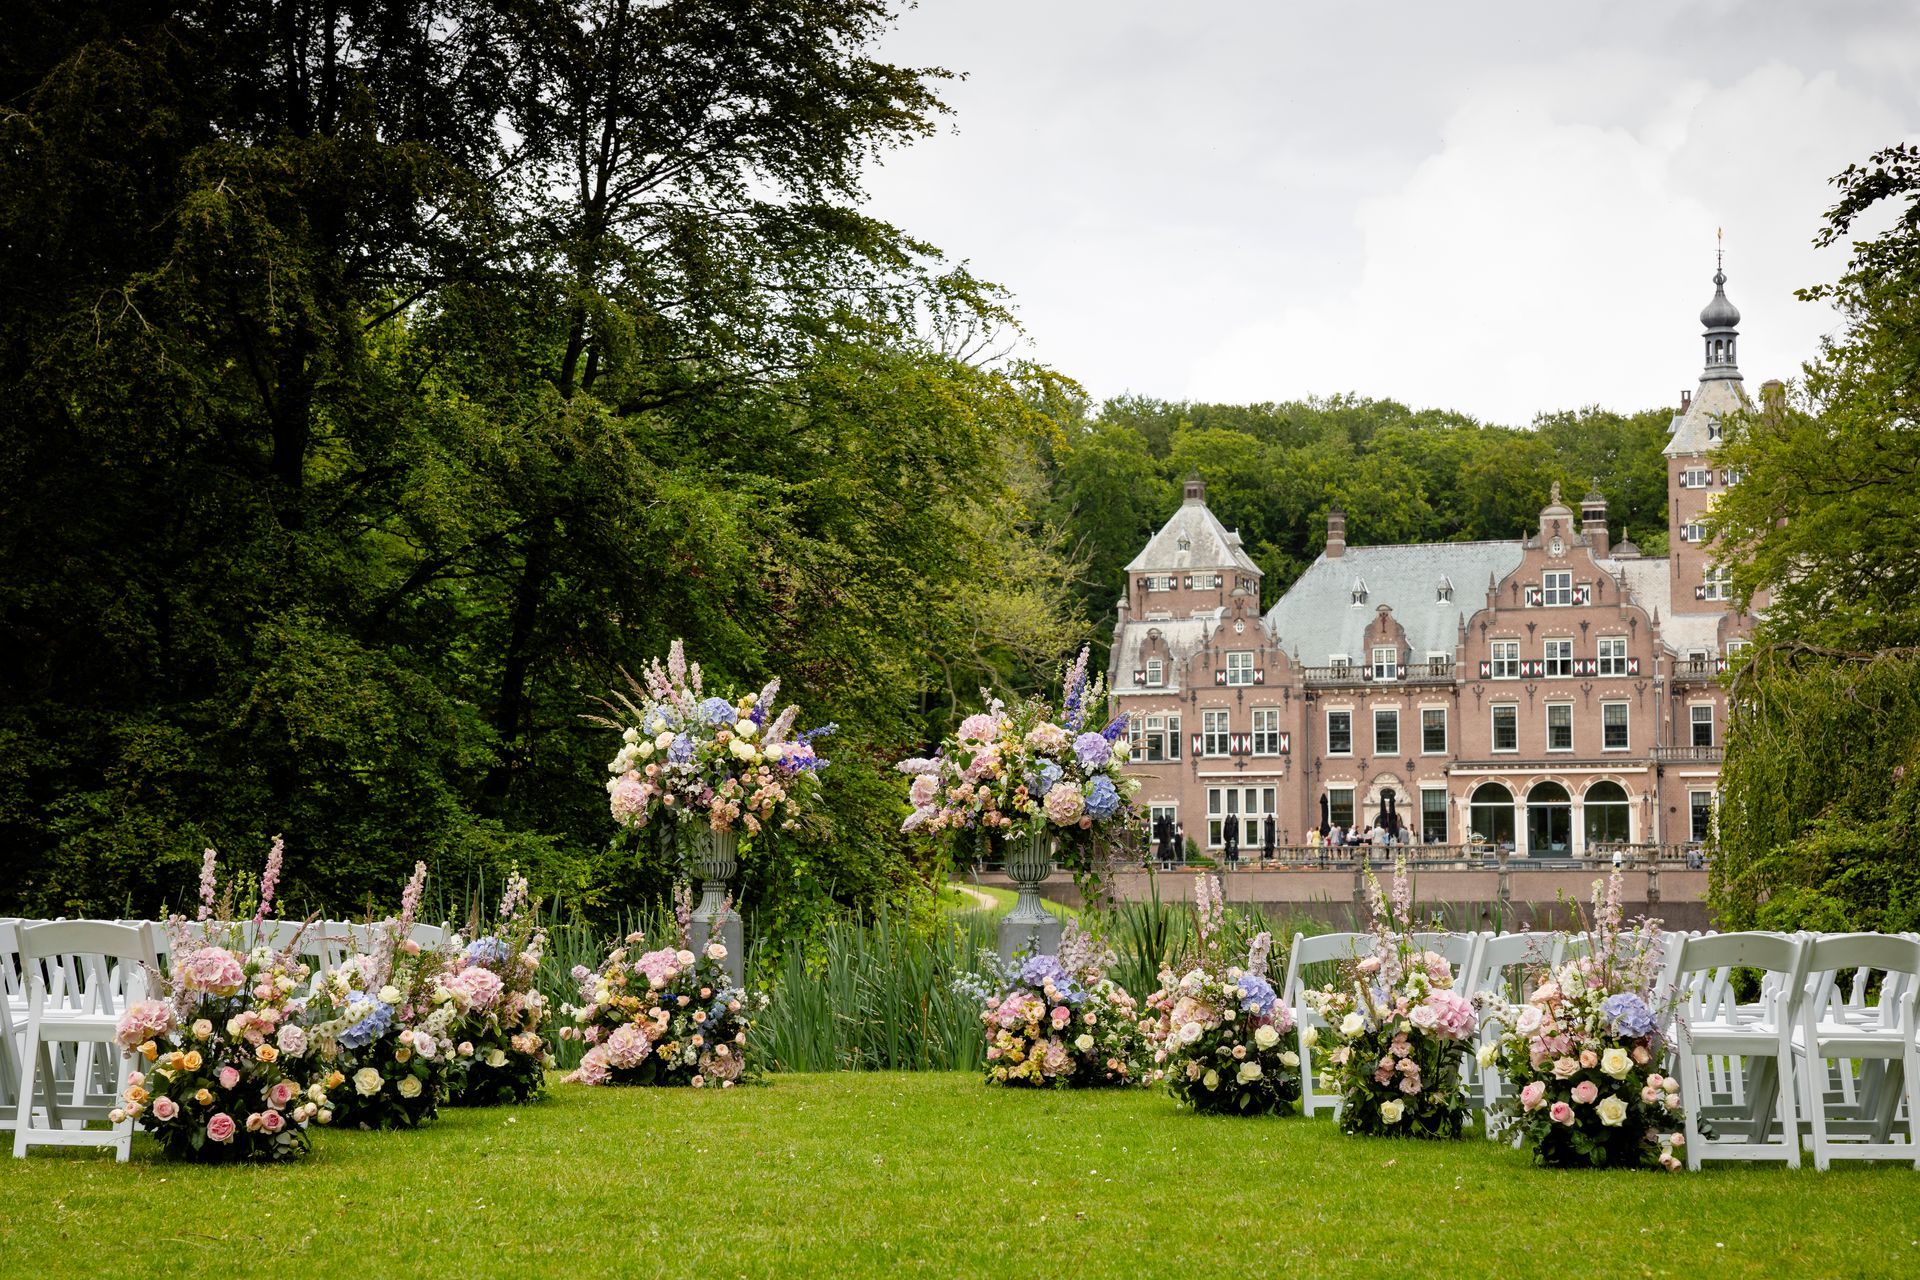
[500, 1052]
[1220, 1034]
[1582, 1051]
[668, 1016]
[383, 1022]
[1400, 1030]
[223, 1063]
[1058, 1021]
[729, 762]
[1020, 769]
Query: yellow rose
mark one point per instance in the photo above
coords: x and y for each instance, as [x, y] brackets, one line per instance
[266, 1052]
[191, 1060]
[204, 1097]
[150, 1051]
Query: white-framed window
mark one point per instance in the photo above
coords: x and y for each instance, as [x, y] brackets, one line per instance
[1386, 731]
[1340, 806]
[1700, 721]
[1730, 476]
[1159, 814]
[1340, 664]
[1506, 659]
[1159, 582]
[1433, 731]
[1339, 733]
[1716, 583]
[1696, 478]
[1156, 671]
[1215, 736]
[1223, 806]
[1266, 731]
[1735, 648]
[1693, 531]
[1556, 586]
[1613, 655]
[1206, 581]
[1243, 808]
[1700, 815]
[1559, 657]
[1386, 662]
[1439, 664]
[1433, 815]
[1506, 726]
[1358, 596]
[1613, 726]
[1559, 726]
[1240, 666]
[1154, 738]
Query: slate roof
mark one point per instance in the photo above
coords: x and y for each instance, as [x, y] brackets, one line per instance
[1317, 617]
[1210, 545]
[1184, 636]
[1694, 432]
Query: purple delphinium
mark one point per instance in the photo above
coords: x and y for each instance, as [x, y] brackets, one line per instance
[1628, 1016]
[1114, 729]
[1073, 705]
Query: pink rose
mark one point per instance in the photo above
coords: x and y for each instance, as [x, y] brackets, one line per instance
[1650, 1095]
[272, 1121]
[1533, 1094]
[165, 1108]
[1585, 1092]
[1640, 1055]
[1062, 1014]
[229, 1077]
[281, 1094]
[1589, 1059]
[220, 1127]
[1560, 1113]
[1563, 1068]
[410, 947]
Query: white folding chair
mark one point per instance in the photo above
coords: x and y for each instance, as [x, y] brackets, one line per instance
[1325, 948]
[428, 935]
[1500, 967]
[1756, 1038]
[104, 967]
[1879, 1038]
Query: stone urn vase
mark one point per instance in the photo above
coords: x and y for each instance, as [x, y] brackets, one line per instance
[714, 857]
[1029, 926]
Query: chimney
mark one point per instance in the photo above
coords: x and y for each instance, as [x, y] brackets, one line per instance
[1686, 398]
[1336, 533]
[1195, 489]
[1773, 396]
[1593, 522]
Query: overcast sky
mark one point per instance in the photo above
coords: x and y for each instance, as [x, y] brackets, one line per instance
[1497, 208]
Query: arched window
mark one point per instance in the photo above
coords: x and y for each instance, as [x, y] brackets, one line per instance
[1490, 814]
[1607, 814]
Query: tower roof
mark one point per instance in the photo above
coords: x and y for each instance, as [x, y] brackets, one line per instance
[1720, 313]
[1193, 538]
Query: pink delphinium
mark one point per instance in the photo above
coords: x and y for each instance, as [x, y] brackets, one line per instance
[270, 879]
[208, 860]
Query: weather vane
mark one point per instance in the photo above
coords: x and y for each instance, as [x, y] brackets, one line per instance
[1719, 249]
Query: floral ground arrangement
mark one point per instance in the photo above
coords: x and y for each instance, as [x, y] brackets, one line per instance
[924, 1174]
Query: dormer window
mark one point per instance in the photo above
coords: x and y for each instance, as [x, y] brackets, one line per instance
[1186, 543]
[1713, 430]
[1556, 587]
[1444, 592]
[1359, 596]
[1156, 672]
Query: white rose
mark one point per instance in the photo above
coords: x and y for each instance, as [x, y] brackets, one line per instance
[1488, 1054]
[1211, 1080]
[683, 958]
[1612, 1110]
[1084, 1044]
[367, 1082]
[1617, 1064]
[745, 729]
[1266, 1037]
[1529, 1020]
[645, 750]
[1352, 1025]
[659, 724]
[630, 736]
[775, 750]
[1392, 1110]
[743, 750]
[496, 1059]
[1190, 1031]
[409, 1086]
[663, 741]
[1310, 1036]
[1249, 1072]
[1289, 1059]
[389, 994]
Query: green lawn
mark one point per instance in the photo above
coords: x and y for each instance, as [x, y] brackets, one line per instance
[960, 898]
[935, 1175]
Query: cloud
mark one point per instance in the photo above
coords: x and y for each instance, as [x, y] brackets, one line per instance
[1538, 261]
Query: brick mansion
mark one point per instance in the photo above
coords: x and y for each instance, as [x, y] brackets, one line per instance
[1552, 693]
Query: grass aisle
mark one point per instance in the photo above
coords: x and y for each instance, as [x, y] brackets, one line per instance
[928, 1174]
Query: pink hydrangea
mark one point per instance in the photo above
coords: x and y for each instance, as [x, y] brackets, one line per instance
[144, 1020]
[1453, 1015]
[627, 1047]
[659, 967]
[476, 987]
[628, 797]
[979, 727]
[592, 1068]
[924, 790]
[214, 970]
[1065, 804]
[1057, 1061]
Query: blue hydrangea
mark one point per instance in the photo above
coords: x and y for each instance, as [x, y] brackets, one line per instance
[1093, 749]
[1628, 1016]
[680, 751]
[1256, 994]
[1038, 971]
[717, 711]
[488, 951]
[1102, 798]
[1045, 780]
[378, 1021]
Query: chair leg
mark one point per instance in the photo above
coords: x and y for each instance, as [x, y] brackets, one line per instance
[1816, 1102]
[1789, 1122]
[1690, 1107]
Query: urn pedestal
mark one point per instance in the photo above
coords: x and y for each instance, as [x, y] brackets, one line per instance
[714, 855]
[1029, 926]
